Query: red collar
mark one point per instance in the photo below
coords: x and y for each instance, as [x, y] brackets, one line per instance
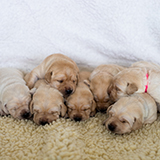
[146, 86]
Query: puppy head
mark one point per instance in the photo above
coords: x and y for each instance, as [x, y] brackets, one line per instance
[124, 116]
[99, 86]
[47, 105]
[63, 77]
[81, 105]
[18, 103]
[119, 123]
[123, 84]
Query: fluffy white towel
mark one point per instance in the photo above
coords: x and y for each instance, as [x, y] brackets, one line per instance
[91, 32]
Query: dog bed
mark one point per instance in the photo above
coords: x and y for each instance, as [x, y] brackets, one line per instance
[68, 140]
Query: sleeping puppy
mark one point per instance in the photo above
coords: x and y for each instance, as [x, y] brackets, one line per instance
[127, 82]
[135, 80]
[59, 71]
[99, 80]
[130, 113]
[81, 104]
[15, 96]
[47, 104]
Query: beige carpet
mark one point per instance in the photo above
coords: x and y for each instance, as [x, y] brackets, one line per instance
[69, 140]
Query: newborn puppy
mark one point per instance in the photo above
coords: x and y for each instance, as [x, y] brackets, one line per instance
[130, 113]
[127, 82]
[81, 104]
[59, 71]
[99, 80]
[135, 80]
[47, 104]
[15, 96]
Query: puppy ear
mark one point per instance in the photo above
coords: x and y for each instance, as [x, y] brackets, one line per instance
[131, 88]
[137, 124]
[87, 82]
[93, 108]
[31, 107]
[48, 76]
[77, 76]
[109, 108]
[5, 109]
[63, 110]
[32, 91]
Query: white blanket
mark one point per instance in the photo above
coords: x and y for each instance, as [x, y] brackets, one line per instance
[91, 32]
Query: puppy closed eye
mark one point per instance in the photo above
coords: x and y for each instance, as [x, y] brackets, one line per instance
[86, 109]
[54, 113]
[124, 121]
[117, 89]
[106, 100]
[60, 81]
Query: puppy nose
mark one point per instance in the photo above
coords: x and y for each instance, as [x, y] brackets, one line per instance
[43, 122]
[77, 118]
[25, 114]
[102, 109]
[111, 127]
[68, 91]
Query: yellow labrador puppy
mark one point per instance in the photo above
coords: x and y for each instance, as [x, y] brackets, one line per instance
[135, 80]
[130, 113]
[59, 71]
[15, 96]
[47, 104]
[99, 80]
[81, 104]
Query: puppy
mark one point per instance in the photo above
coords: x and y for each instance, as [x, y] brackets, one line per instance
[130, 113]
[135, 80]
[59, 71]
[81, 104]
[15, 96]
[99, 80]
[47, 104]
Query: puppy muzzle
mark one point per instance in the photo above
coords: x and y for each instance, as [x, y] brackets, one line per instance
[68, 91]
[43, 121]
[77, 118]
[112, 127]
[102, 107]
[25, 114]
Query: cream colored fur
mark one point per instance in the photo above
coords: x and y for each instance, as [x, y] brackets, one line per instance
[99, 80]
[14, 94]
[130, 113]
[60, 72]
[134, 80]
[47, 104]
[81, 104]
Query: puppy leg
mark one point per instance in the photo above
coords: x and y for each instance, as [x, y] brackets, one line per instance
[93, 109]
[30, 79]
[63, 110]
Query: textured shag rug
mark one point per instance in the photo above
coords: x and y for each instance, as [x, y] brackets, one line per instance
[69, 140]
